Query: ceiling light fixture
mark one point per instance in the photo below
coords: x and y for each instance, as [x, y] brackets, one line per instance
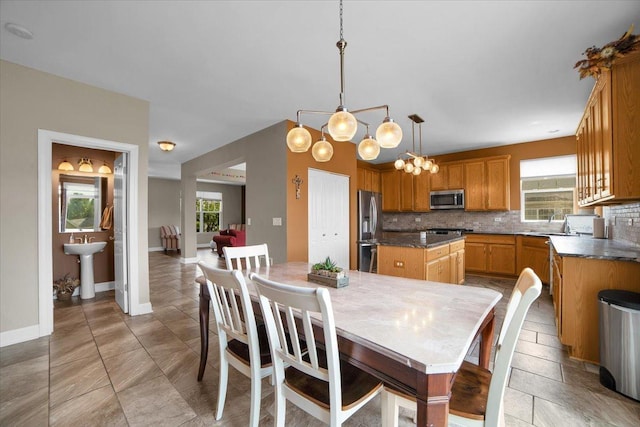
[85, 165]
[416, 163]
[166, 145]
[65, 166]
[18, 30]
[342, 125]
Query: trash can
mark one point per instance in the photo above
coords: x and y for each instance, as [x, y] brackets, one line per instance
[620, 341]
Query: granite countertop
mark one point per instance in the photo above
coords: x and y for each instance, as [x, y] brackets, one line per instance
[589, 247]
[430, 241]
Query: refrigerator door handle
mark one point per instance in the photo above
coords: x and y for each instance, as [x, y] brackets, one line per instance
[374, 216]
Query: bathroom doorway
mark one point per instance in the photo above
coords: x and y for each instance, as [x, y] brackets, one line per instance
[130, 298]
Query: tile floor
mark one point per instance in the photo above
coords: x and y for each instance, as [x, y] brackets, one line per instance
[101, 367]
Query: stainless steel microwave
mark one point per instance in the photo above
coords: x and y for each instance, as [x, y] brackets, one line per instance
[447, 199]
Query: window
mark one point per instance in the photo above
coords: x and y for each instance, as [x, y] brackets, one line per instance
[208, 211]
[547, 188]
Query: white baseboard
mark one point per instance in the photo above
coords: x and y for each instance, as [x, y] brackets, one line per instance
[156, 249]
[141, 309]
[189, 260]
[16, 336]
[203, 245]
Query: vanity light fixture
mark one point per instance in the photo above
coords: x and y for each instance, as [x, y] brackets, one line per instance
[167, 145]
[104, 168]
[416, 163]
[85, 165]
[65, 166]
[342, 125]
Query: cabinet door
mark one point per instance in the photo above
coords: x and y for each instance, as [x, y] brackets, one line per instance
[375, 181]
[474, 186]
[433, 270]
[406, 192]
[445, 269]
[475, 256]
[502, 259]
[455, 174]
[459, 268]
[361, 179]
[421, 190]
[390, 190]
[439, 181]
[497, 184]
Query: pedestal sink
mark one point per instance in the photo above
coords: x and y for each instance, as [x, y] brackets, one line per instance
[85, 251]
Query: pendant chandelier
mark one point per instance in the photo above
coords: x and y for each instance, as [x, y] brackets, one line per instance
[416, 162]
[342, 125]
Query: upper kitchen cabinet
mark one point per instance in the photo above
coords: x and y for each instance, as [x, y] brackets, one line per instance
[486, 184]
[608, 137]
[449, 177]
[368, 179]
[390, 180]
[404, 192]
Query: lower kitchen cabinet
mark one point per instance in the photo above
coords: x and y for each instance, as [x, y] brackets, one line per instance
[444, 263]
[491, 253]
[533, 252]
[576, 283]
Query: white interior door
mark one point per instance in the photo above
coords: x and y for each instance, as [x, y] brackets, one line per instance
[328, 217]
[120, 231]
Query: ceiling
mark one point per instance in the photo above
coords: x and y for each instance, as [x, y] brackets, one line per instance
[481, 73]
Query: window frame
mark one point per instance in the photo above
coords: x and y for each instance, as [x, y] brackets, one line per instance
[209, 197]
[546, 190]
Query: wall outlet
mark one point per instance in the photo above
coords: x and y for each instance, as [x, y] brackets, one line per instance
[498, 219]
[418, 219]
[248, 221]
[277, 221]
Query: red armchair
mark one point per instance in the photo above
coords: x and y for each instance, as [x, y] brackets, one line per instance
[229, 238]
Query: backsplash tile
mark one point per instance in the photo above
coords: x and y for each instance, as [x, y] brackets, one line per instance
[619, 218]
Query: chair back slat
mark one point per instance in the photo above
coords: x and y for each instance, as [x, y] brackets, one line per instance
[253, 256]
[525, 292]
[297, 304]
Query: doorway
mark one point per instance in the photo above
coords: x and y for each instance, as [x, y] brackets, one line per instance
[46, 139]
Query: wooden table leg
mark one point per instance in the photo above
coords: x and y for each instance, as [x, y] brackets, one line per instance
[434, 410]
[205, 298]
[486, 340]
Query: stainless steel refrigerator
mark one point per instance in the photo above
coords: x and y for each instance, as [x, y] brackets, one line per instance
[369, 226]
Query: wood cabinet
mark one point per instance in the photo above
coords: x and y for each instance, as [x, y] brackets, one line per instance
[486, 184]
[608, 141]
[421, 189]
[491, 253]
[576, 284]
[449, 177]
[404, 192]
[438, 264]
[368, 179]
[533, 252]
[390, 180]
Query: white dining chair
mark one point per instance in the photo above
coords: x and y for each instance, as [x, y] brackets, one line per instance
[477, 394]
[242, 342]
[319, 382]
[237, 254]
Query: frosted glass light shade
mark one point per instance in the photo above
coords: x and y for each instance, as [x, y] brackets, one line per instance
[65, 166]
[435, 168]
[342, 126]
[427, 165]
[85, 165]
[418, 162]
[322, 151]
[399, 164]
[104, 169]
[368, 148]
[417, 171]
[408, 167]
[389, 134]
[298, 139]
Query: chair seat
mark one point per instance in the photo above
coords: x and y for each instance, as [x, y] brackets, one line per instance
[470, 391]
[356, 384]
[241, 350]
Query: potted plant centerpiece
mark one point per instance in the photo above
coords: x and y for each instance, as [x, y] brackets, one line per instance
[328, 273]
[65, 286]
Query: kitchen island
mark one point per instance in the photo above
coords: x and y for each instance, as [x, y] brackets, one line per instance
[435, 257]
[583, 266]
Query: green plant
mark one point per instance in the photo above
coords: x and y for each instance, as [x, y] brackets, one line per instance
[328, 265]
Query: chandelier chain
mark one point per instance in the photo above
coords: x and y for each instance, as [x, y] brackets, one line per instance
[341, 31]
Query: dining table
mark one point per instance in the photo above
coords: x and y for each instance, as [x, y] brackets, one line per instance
[411, 334]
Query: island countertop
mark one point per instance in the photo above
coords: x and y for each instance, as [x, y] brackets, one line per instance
[589, 247]
[430, 241]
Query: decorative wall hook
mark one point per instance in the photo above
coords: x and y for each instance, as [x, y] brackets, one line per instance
[297, 181]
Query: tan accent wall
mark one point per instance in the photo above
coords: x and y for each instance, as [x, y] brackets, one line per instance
[527, 150]
[343, 162]
[32, 100]
[103, 262]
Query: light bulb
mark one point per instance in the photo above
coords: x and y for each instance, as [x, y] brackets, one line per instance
[408, 167]
[418, 162]
[342, 126]
[368, 148]
[298, 139]
[427, 165]
[399, 164]
[322, 150]
[417, 171]
[435, 168]
[389, 134]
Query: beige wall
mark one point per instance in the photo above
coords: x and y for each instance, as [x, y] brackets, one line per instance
[231, 207]
[32, 100]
